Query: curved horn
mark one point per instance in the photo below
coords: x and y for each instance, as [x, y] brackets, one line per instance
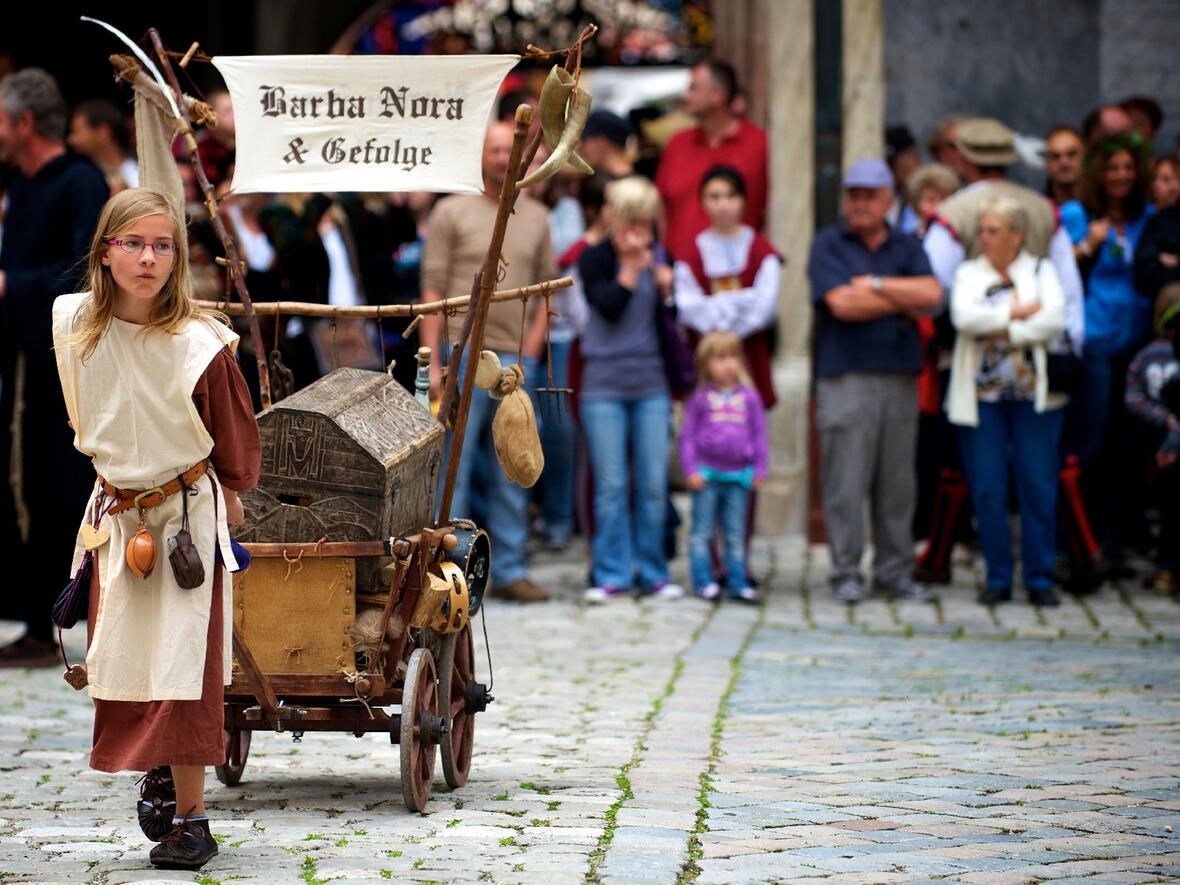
[554, 98]
[575, 122]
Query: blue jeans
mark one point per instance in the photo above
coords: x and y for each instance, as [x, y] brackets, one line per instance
[1011, 435]
[629, 528]
[557, 441]
[506, 503]
[726, 502]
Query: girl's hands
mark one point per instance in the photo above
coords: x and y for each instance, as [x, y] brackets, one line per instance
[696, 482]
[235, 513]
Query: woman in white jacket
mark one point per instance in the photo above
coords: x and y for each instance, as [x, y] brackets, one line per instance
[1005, 305]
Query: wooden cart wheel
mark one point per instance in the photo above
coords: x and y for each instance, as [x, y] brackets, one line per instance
[455, 668]
[237, 749]
[420, 728]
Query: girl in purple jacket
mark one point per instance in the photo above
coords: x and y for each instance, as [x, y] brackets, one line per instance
[724, 454]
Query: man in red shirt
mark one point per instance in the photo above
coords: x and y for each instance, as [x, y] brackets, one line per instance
[721, 137]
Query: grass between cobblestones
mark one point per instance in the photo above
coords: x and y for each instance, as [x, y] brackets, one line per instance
[691, 868]
[622, 778]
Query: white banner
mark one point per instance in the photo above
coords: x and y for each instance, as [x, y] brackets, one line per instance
[328, 123]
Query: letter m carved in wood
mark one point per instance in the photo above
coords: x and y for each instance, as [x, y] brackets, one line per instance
[299, 449]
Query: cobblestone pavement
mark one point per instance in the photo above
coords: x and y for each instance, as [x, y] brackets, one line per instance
[665, 741]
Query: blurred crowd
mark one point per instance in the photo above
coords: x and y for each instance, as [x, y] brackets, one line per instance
[980, 348]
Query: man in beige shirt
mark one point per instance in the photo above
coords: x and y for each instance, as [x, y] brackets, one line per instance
[457, 237]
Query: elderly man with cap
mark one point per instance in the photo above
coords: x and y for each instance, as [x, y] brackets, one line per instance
[869, 284]
[988, 148]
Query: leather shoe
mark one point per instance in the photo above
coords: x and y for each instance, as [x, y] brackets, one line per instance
[157, 803]
[520, 590]
[189, 846]
[995, 595]
[29, 651]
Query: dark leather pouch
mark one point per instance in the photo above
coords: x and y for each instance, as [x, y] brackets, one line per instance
[185, 561]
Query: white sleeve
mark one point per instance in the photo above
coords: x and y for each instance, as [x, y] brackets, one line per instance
[1062, 258]
[945, 254]
[700, 312]
[1050, 319]
[755, 308]
[971, 313]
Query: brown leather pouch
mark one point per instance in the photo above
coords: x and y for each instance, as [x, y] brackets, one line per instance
[185, 561]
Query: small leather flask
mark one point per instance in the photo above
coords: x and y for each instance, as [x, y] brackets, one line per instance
[141, 552]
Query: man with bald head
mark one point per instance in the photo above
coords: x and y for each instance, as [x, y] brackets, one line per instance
[457, 237]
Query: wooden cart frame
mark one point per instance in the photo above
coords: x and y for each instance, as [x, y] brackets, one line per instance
[438, 696]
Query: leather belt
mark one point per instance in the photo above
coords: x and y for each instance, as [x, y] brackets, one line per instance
[133, 499]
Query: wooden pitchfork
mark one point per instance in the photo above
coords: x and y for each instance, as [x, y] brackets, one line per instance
[551, 400]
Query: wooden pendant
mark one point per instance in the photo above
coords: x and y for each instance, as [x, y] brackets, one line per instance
[77, 677]
[93, 538]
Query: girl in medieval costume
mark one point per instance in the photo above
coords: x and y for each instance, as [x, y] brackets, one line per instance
[728, 281]
[156, 399]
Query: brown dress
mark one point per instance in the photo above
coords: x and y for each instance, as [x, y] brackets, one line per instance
[138, 736]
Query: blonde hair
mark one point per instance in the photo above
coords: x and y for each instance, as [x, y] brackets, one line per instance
[633, 199]
[716, 344]
[931, 176]
[1008, 211]
[173, 307]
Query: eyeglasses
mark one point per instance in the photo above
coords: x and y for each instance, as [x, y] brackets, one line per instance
[134, 245]
[1062, 155]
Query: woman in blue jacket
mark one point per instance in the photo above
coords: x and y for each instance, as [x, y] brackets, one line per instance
[1105, 226]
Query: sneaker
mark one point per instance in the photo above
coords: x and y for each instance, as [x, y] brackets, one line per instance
[995, 595]
[848, 592]
[189, 846]
[157, 803]
[709, 593]
[605, 593]
[1043, 596]
[909, 589]
[747, 595]
[667, 590]
[520, 590]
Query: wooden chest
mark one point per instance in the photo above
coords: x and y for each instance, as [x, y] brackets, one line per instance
[352, 457]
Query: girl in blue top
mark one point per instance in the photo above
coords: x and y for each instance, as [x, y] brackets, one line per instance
[1105, 226]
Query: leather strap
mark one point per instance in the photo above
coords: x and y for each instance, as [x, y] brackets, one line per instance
[131, 499]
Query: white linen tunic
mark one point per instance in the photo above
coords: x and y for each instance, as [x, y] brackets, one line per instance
[131, 405]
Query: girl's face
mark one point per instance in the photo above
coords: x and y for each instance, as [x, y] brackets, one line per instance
[724, 369]
[722, 203]
[928, 202]
[142, 274]
[1120, 175]
[1165, 188]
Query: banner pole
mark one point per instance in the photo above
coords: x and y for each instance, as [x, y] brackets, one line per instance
[478, 313]
[234, 264]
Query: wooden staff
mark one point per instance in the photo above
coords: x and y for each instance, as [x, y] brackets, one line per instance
[573, 55]
[478, 314]
[227, 242]
[382, 311]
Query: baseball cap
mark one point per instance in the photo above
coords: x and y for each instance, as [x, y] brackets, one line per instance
[986, 142]
[871, 173]
[610, 126]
